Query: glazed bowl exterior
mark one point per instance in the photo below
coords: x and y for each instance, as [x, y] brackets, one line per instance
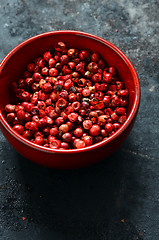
[11, 69]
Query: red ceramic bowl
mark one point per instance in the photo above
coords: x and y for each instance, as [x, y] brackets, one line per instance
[12, 67]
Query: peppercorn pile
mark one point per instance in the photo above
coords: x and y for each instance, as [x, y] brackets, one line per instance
[67, 99]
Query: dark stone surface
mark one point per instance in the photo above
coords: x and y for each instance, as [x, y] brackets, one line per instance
[119, 197]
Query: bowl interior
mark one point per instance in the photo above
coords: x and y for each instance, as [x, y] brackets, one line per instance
[14, 64]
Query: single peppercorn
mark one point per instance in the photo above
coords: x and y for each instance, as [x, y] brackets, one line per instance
[80, 144]
[73, 117]
[78, 132]
[55, 144]
[95, 130]
[108, 127]
[67, 137]
[58, 88]
[39, 140]
[87, 124]
[18, 128]
[64, 128]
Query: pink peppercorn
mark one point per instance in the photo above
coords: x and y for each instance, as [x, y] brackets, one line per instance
[72, 53]
[78, 132]
[47, 87]
[120, 111]
[19, 107]
[123, 93]
[18, 128]
[64, 145]
[95, 57]
[102, 120]
[30, 67]
[20, 114]
[61, 103]
[37, 69]
[25, 96]
[95, 130]
[11, 117]
[72, 65]
[80, 144]
[47, 56]
[41, 63]
[59, 121]
[51, 62]
[83, 54]
[55, 144]
[72, 97]
[32, 126]
[42, 123]
[9, 108]
[86, 92]
[114, 116]
[112, 71]
[123, 102]
[64, 59]
[37, 77]
[54, 131]
[107, 77]
[46, 131]
[76, 106]
[29, 82]
[97, 77]
[103, 133]
[108, 127]
[42, 113]
[87, 124]
[73, 117]
[67, 137]
[88, 140]
[101, 64]
[122, 119]
[116, 126]
[60, 46]
[53, 72]
[68, 84]
[39, 140]
[27, 134]
[92, 67]
[64, 128]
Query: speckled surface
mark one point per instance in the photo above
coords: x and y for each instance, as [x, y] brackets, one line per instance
[117, 199]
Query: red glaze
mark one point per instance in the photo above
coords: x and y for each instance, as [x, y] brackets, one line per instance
[15, 64]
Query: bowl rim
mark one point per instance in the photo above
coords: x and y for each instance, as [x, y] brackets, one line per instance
[128, 121]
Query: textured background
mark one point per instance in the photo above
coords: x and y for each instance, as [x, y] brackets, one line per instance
[117, 199]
